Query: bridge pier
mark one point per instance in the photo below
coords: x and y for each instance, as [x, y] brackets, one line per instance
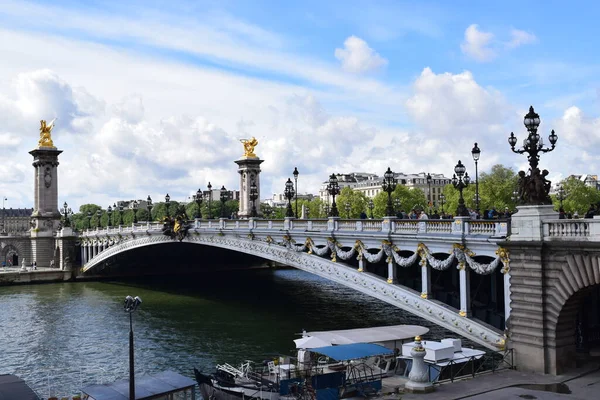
[425, 281]
[465, 290]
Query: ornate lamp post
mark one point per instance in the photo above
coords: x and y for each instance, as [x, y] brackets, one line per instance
[326, 209]
[131, 304]
[347, 207]
[296, 173]
[561, 195]
[333, 188]
[515, 197]
[149, 207]
[289, 193]
[429, 190]
[460, 183]
[198, 200]
[98, 216]
[89, 219]
[223, 197]
[120, 214]
[389, 185]
[476, 201]
[134, 207]
[167, 203]
[533, 188]
[210, 196]
[66, 211]
[442, 201]
[476, 153]
[253, 197]
[371, 205]
[109, 211]
[396, 206]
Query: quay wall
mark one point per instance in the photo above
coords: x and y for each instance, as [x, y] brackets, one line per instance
[18, 277]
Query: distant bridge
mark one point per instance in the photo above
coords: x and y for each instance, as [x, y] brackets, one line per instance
[451, 247]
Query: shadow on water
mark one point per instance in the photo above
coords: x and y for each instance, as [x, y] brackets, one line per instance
[549, 387]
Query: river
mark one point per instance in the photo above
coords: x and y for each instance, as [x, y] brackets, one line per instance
[61, 336]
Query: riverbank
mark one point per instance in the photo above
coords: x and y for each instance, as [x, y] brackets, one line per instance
[18, 276]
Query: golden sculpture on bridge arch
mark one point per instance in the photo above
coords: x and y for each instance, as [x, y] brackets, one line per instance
[249, 145]
[45, 134]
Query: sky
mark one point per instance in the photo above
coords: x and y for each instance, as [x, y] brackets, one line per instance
[153, 97]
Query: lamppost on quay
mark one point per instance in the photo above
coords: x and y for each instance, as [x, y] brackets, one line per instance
[149, 207]
[476, 152]
[253, 197]
[460, 183]
[198, 200]
[210, 196]
[121, 214]
[98, 216]
[223, 198]
[134, 207]
[442, 201]
[389, 185]
[347, 207]
[89, 218]
[167, 203]
[109, 211]
[296, 173]
[561, 195]
[66, 211]
[533, 188]
[131, 304]
[429, 190]
[289, 193]
[371, 205]
[333, 188]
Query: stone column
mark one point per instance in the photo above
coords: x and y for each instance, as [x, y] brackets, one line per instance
[419, 372]
[425, 280]
[249, 170]
[391, 271]
[361, 264]
[465, 290]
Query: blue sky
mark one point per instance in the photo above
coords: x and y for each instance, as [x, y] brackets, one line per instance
[153, 97]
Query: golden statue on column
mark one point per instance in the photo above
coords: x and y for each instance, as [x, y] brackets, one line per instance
[249, 145]
[45, 134]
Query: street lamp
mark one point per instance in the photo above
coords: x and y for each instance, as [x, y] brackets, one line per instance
[396, 206]
[210, 195]
[98, 215]
[296, 173]
[253, 197]
[515, 197]
[371, 205]
[333, 188]
[534, 188]
[134, 206]
[89, 218]
[389, 185]
[120, 213]
[109, 212]
[476, 153]
[66, 211]
[167, 203]
[198, 200]
[131, 304]
[347, 207]
[442, 201]
[289, 193]
[223, 194]
[460, 183]
[149, 207]
[429, 189]
[561, 195]
[326, 209]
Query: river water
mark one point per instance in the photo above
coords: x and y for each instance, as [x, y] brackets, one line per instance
[61, 336]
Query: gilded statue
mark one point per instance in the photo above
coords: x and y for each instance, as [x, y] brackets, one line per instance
[249, 145]
[45, 134]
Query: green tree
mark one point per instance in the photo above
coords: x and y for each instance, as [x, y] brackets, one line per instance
[355, 199]
[408, 198]
[578, 196]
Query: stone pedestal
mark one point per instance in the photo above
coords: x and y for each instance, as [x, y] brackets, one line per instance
[527, 222]
[419, 373]
[249, 170]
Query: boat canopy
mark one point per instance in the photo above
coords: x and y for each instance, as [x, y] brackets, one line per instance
[371, 335]
[352, 351]
[13, 387]
[157, 386]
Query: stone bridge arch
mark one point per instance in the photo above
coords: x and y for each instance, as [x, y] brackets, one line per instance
[10, 248]
[370, 284]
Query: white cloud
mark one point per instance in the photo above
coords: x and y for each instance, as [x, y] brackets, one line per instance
[578, 129]
[477, 44]
[358, 57]
[519, 38]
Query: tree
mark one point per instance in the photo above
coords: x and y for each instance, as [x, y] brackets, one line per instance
[578, 196]
[409, 198]
[357, 201]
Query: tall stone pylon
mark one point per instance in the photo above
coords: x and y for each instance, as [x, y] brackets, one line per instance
[45, 218]
[249, 170]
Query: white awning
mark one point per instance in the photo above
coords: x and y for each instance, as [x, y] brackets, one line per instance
[370, 335]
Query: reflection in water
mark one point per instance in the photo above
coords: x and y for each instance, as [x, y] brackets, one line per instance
[60, 329]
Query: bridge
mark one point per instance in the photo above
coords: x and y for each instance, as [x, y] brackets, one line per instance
[328, 248]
